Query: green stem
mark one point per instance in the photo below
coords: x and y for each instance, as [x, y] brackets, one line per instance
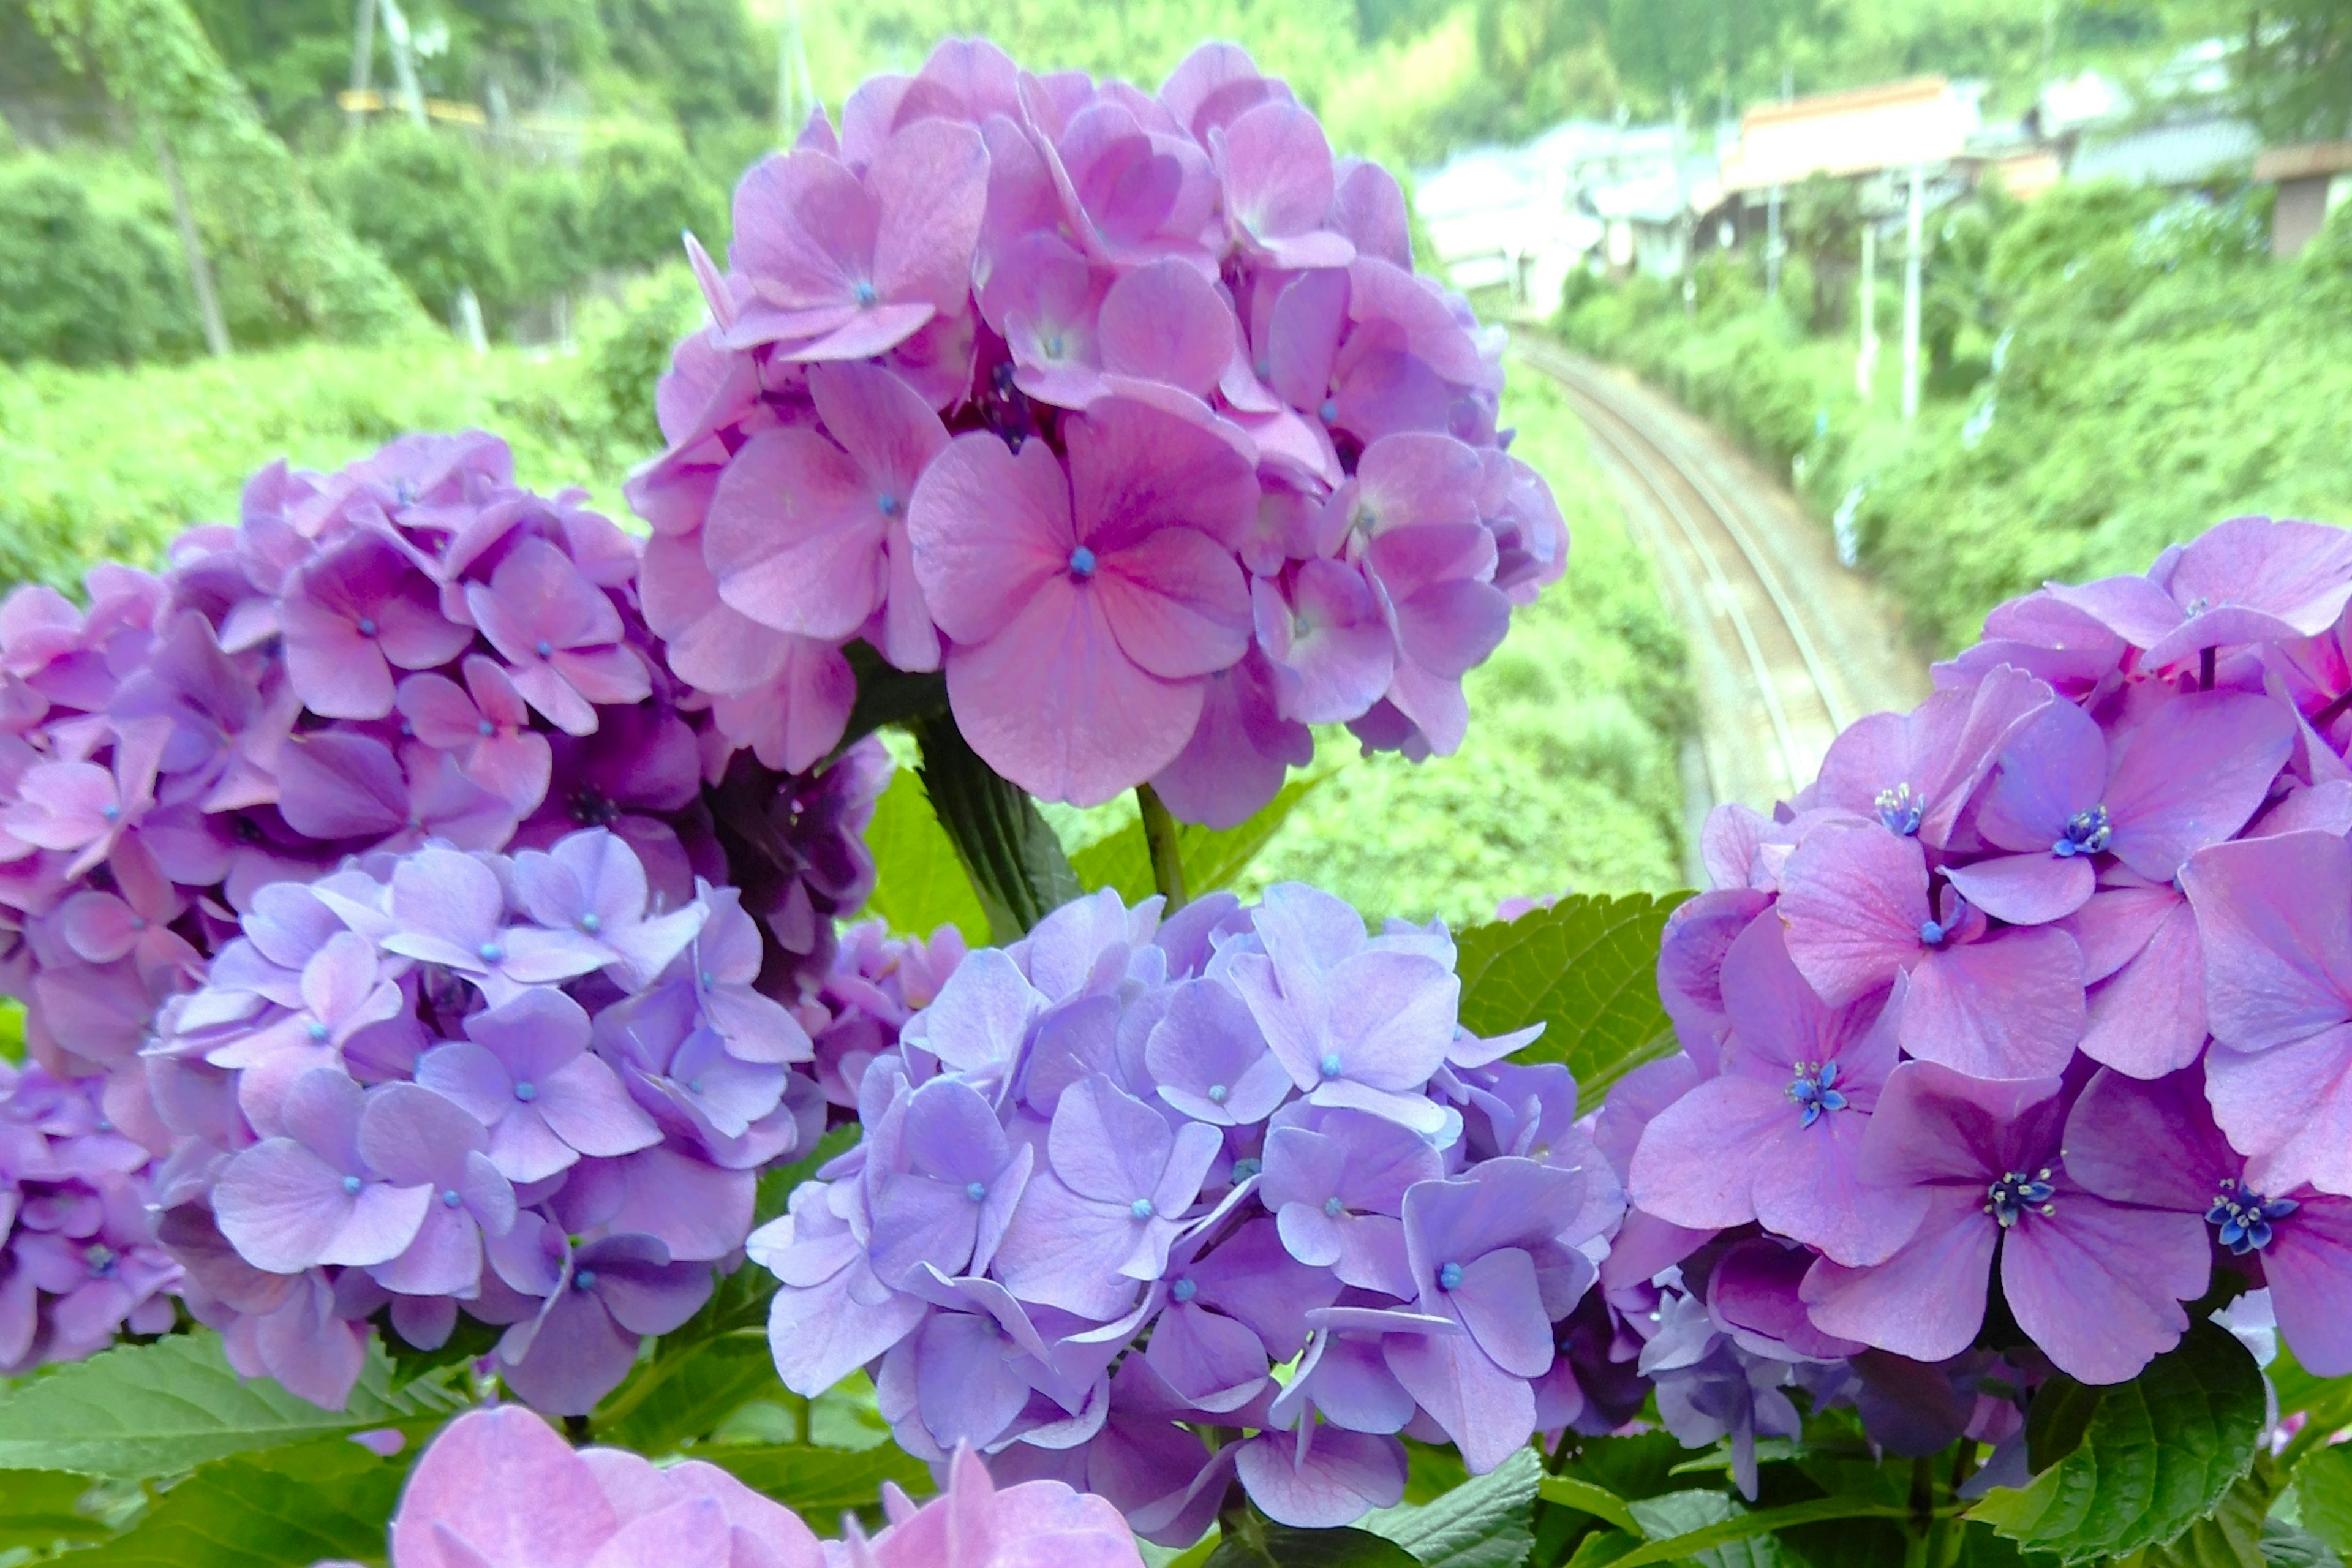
[1016, 865]
[1160, 832]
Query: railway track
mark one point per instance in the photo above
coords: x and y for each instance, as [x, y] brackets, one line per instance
[1788, 647]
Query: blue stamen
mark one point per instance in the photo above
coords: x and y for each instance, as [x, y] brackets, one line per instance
[367, 625]
[351, 1185]
[492, 952]
[1244, 1169]
[111, 812]
[888, 505]
[1331, 1065]
[592, 922]
[545, 648]
[977, 1192]
[1218, 1093]
[1330, 410]
[2016, 1194]
[449, 1198]
[1053, 345]
[584, 1280]
[866, 297]
[1082, 563]
[1930, 933]
[319, 1034]
[100, 1257]
[1141, 1208]
[2243, 1218]
[1899, 809]
[1449, 1276]
[1814, 1089]
[526, 1091]
[1334, 1208]
[2087, 832]
[485, 728]
[1182, 1291]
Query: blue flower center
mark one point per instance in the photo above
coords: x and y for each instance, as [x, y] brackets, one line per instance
[1449, 1276]
[1244, 1169]
[888, 505]
[694, 1086]
[1052, 345]
[1931, 933]
[1330, 410]
[2243, 1216]
[1899, 809]
[111, 812]
[584, 1280]
[1218, 1093]
[1141, 1208]
[491, 951]
[1331, 1065]
[351, 1185]
[2017, 1195]
[319, 1033]
[100, 1257]
[1334, 1208]
[545, 649]
[591, 923]
[526, 1091]
[1815, 1089]
[367, 625]
[449, 1198]
[1082, 563]
[1182, 1291]
[485, 728]
[977, 1192]
[2087, 832]
[866, 297]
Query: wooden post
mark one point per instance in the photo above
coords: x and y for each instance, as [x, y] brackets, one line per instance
[200, 271]
[1865, 358]
[1911, 295]
[362, 65]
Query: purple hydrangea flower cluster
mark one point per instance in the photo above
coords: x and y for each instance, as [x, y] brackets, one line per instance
[77, 1257]
[532, 1089]
[878, 983]
[1125, 410]
[2046, 984]
[1119, 1171]
[500, 1488]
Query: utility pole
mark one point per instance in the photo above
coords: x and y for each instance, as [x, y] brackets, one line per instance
[200, 271]
[403, 62]
[1772, 208]
[795, 94]
[1911, 295]
[362, 65]
[1865, 361]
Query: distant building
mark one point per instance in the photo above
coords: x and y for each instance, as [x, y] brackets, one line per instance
[2312, 181]
[2197, 148]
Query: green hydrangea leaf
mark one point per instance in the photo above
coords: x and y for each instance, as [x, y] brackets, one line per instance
[41, 1508]
[287, 1508]
[2323, 1485]
[2154, 1455]
[1276, 1546]
[1587, 970]
[157, 1409]
[821, 1484]
[1485, 1522]
[918, 883]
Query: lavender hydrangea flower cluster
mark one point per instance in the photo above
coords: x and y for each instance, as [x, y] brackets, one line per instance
[1120, 1171]
[526, 1088]
[77, 1257]
[1124, 410]
[2041, 985]
[500, 1488]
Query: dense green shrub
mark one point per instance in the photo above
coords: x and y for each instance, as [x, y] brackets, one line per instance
[85, 279]
[544, 209]
[644, 190]
[422, 199]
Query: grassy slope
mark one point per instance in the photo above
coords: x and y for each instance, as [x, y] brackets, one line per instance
[2137, 406]
[1568, 779]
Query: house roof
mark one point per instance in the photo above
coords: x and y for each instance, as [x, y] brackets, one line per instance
[2309, 161]
[1897, 124]
[2178, 152]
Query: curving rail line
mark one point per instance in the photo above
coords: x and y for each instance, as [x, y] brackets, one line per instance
[1786, 648]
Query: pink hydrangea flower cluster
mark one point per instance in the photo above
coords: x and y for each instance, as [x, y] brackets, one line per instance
[2044, 986]
[500, 1488]
[523, 1087]
[1124, 410]
[77, 1257]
